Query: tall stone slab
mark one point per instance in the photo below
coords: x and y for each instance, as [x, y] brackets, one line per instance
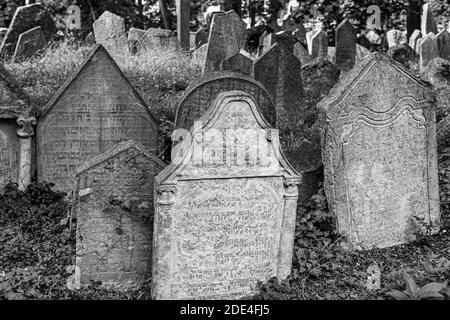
[109, 31]
[29, 43]
[94, 110]
[134, 38]
[16, 132]
[241, 62]
[225, 211]
[319, 45]
[226, 38]
[26, 18]
[198, 96]
[428, 50]
[183, 19]
[428, 23]
[200, 54]
[280, 73]
[114, 209]
[302, 53]
[345, 45]
[413, 40]
[379, 152]
[443, 43]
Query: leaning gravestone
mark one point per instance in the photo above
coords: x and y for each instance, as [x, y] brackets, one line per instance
[200, 54]
[443, 42]
[198, 96]
[413, 40]
[109, 31]
[226, 38]
[114, 209]
[302, 53]
[428, 50]
[241, 62]
[379, 153]
[225, 211]
[29, 43]
[93, 111]
[16, 132]
[319, 45]
[134, 38]
[345, 45]
[26, 18]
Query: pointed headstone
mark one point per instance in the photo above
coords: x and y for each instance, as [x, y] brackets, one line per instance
[183, 19]
[201, 38]
[428, 24]
[95, 109]
[416, 35]
[29, 43]
[109, 31]
[226, 38]
[302, 53]
[90, 39]
[443, 42]
[241, 62]
[319, 45]
[428, 50]
[345, 45]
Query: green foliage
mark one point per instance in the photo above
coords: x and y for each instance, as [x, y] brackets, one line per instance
[414, 292]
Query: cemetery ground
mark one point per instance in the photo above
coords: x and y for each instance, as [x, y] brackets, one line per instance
[38, 240]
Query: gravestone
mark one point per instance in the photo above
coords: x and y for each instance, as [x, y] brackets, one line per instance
[332, 54]
[109, 31]
[134, 38]
[379, 153]
[26, 18]
[201, 38]
[241, 62]
[443, 43]
[428, 50]
[345, 45]
[302, 53]
[413, 40]
[29, 43]
[200, 54]
[226, 38]
[225, 220]
[395, 38]
[155, 38]
[114, 209]
[16, 132]
[374, 38]
[90, 39]
[280, 73]
[405, 55]
[319, 45]
[183, 18]
[361, 52]
[262, 42]
[427, 22]
[95, 109]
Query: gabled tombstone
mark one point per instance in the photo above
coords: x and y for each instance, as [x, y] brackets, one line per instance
[29, 43]
[134, 38]
[109, 31]
[302, 53]
[26, 18]
[319, 45]
[226, 38]
[443, 43]
[428, 49]
[345, 45]
[183, 18]
[201, 38]
[379, 153]
[114, 209]
[241, 63]
[16, 131]
[95, 109]
[198, 96]
[413, 40]
[225, 209]
[428, 23]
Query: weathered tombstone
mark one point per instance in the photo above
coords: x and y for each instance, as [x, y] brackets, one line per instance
[198, 96]
[183, 18]
[134, 38]
[25, 18]
[280, 73]
[416, 35]
[361, 52]
[109, 31]
[241, 62]
[345, 45]
[302, 53]
[319, 45]
[94, 110]
[201, 38]
[379, 152]
[332, 54]
[427, 22]
[374, 37]
[226, 38]
[114, 209]
[225, 220]
[16, 132]
[90, 39]
[428, 50]
[443, 43]
[155, 38]
[29, 43]
[395, 38]
[200, 54]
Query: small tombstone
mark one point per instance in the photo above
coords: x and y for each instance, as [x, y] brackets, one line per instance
[109, 31]
[16, 132]
[134, 38]
[395, 38]
[332, 54]
[26, 18]
[319, 45]
[200, 54]
[379, 153]
[345, 45]
[416, 35]
[201, 38]
[374, 37]
[302, 53]
[280, 73]
[405, 55]
[225, 210]
[114, 209]
[29, 43]
[155, 38]
[90, 39]
[183, 17]
[226, 38]
[361, 52]
[94, 110]
[428, 50]
[241, 62]
[443, 43]
[427, 22]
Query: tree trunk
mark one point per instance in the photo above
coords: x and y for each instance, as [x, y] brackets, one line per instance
[414, 16]
[164, 13]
